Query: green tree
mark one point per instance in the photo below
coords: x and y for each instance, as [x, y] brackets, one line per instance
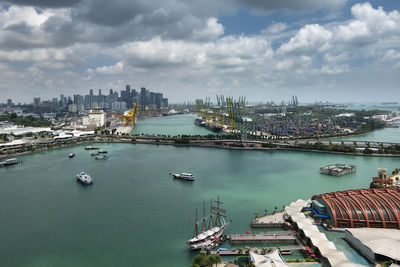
[199, 260]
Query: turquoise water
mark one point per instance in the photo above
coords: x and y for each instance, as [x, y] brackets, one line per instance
[372, 106]
[170, 125]
[135, 214]
[341, 244]
[382, 135]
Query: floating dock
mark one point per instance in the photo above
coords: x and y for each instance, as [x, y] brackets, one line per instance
[276, 238]
[338, 169]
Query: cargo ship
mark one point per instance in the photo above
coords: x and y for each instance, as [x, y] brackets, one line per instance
[199, 121]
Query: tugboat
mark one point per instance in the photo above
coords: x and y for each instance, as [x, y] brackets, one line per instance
[101, 157]
[84, 178]
[71, 155]
[183, 176]
[210, 236]
[91, 148]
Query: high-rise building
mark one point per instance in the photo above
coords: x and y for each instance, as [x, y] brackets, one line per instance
[9, 103]
[36, 102]
[165, 102]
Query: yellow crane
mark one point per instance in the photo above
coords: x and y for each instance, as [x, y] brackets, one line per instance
[130, 117]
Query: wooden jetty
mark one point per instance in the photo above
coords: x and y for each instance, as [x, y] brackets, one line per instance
[276, 238]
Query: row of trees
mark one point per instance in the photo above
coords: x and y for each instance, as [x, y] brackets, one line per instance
[28, 121]
[326, 147]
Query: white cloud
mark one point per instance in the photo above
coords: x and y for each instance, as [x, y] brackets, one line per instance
[22, 14]
[275, 28]
[113, 69]
[309, 39]
[210, 32]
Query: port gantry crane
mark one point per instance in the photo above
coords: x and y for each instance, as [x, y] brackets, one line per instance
[131, 116]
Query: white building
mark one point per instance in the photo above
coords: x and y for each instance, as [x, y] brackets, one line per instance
[96, 117]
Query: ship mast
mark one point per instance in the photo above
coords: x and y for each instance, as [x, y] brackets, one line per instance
[219, 221]
[211, 222]
[196, 228]
[204, 224]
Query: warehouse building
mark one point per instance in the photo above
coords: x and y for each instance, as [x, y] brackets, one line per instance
[375, 208]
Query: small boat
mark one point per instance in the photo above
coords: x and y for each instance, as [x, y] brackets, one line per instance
[101, 157]
[71, 155]
[9, 162]
[183, 176]
[94, 154]
[103, 152]
[84, 178]
[91, 148]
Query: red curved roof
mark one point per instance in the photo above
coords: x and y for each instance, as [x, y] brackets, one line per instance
[364, 207]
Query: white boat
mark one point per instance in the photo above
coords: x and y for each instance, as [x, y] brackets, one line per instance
[211, 235]
[71, 155]
[101, 157]
[84, 178]
[183, 176]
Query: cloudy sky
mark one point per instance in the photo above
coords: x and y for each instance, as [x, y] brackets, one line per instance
[336, 50]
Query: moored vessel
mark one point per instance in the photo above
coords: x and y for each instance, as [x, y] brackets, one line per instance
[84, 178]
[103, 151]
[199, 121]
[9, 162]
[212, 235]
[91, 148]
[214, 127]
[101, 157]
[183, 176]
[71, 155]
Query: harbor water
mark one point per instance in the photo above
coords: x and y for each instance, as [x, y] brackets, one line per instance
[135, 214]
[170, 125]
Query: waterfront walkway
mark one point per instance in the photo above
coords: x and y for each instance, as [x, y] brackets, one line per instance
[274, 220]
[276, 238]
[236, 252]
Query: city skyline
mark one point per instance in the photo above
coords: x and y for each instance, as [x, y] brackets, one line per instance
[110, 100]
[339, 50]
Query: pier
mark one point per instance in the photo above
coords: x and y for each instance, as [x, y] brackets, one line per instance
[246, 250]
[274, 220]
[276, 238]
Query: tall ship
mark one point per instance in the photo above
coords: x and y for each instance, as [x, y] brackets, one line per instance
[212, 233]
